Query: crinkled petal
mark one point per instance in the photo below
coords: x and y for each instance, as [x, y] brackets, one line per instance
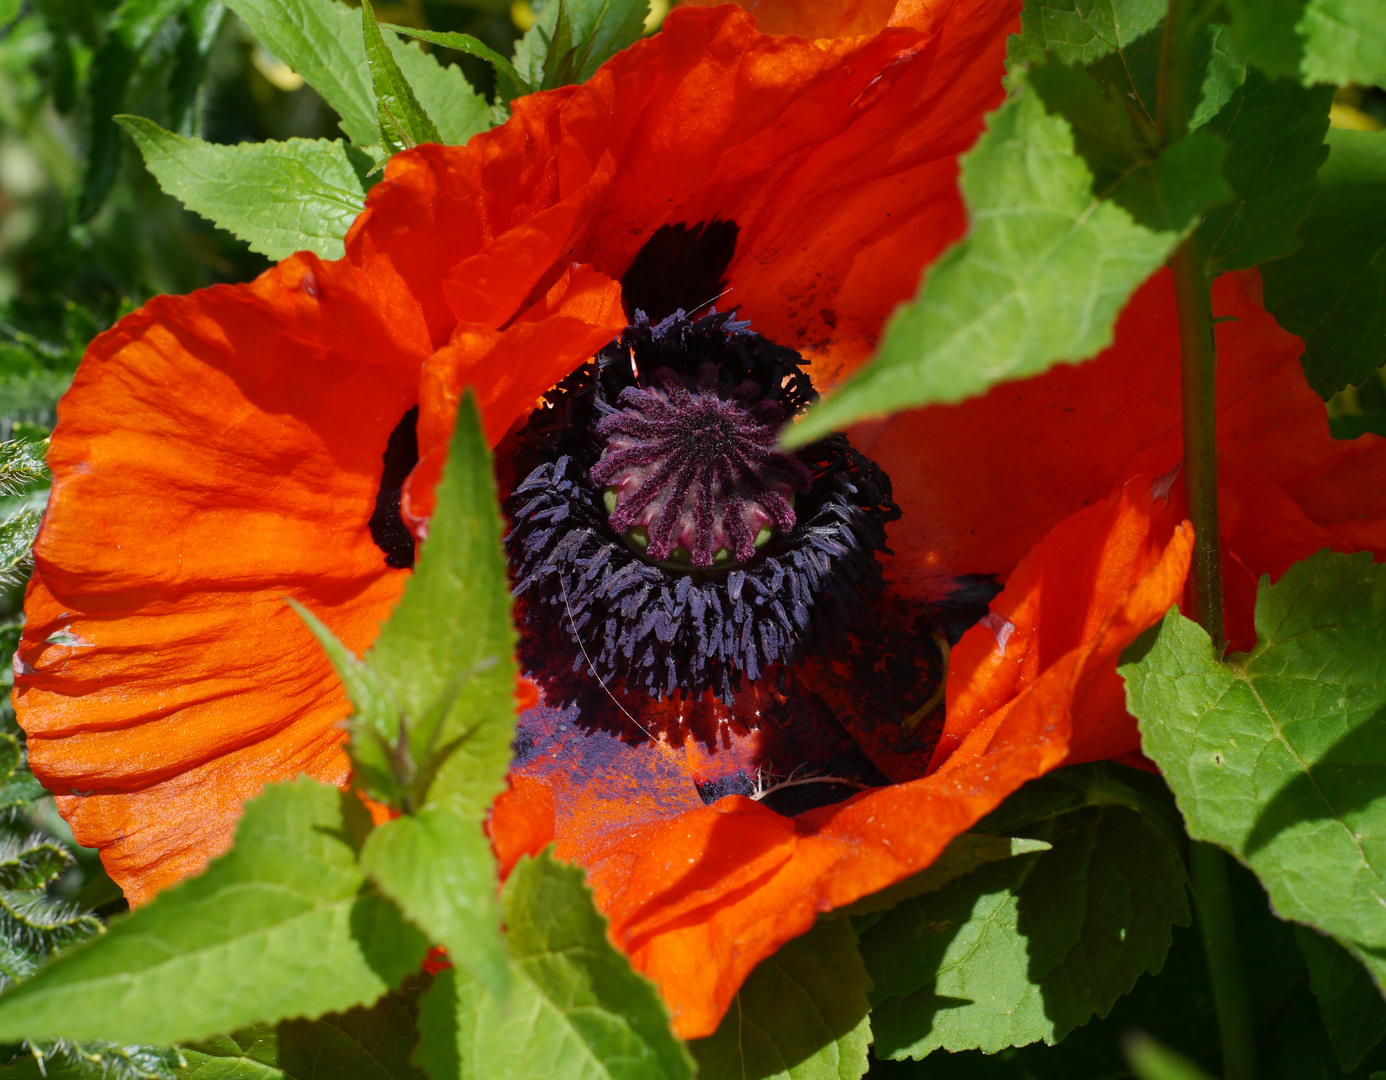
[698, 895]
[216, 453]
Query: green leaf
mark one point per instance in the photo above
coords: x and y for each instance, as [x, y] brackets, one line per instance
[400, 119]
[1152, 1060]
[22, 465]
[200, 23]
[443, 93]
[963, 855]
[576, 1009]
[288, 898]
[572, 38]
[801, 1015]
[33, 928]
[381, 764]
[132, 27]
[1118, 43]
[320, 40]
[1316, 41]
[1161, 190]
[1278, 754]
[1276, 133]
[509, 83]
[11, 754]
[1031, 947]
[1349, 1001]
[447, 653]
[439, 869]
[31, 863]
[1332, 291]
[323, 41]
[372, 1043]
[1044, 271]
[16, 540]
[279, 197]
[65, 1060]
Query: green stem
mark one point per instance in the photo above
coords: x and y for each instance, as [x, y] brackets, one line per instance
[1208, 871]
[1198, 369]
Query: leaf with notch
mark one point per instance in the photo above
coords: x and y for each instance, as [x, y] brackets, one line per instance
[288, 898]
[1332, 291]
[1040, 278]
[1031, 947]
[1349, 1001]
[279, 197]
[400, 119]
[1275, 131]
[572, 38]
[802, 1014]
[449, 647]
[576, 1010]
[1278, 754]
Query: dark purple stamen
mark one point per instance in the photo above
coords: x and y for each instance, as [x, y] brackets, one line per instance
[698, 471]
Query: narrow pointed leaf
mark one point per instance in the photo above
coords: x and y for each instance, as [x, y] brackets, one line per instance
[375, 719]
[557, 51]
[510, 84]
[454, 619]
[31, 864]
[288, 898]
[400, 119]
[322, 40]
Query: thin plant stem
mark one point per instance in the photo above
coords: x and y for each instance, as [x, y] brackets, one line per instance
[1198, 378]
[1198, 367]
[1208, 872]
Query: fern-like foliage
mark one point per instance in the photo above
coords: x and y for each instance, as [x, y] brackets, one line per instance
[60, 1059]
[22, 465]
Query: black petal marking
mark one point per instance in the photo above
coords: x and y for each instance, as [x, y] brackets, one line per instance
[400, 457]
[680, 268]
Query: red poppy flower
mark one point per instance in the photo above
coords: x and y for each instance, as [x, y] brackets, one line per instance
[223, 450]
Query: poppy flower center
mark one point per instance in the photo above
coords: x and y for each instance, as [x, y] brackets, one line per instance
[692, 479]
[659, 542]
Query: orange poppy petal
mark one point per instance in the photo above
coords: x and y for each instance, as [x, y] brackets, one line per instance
[978, 481]
[1063, 597]
[837, 159]
[697, 895]
[211, 450]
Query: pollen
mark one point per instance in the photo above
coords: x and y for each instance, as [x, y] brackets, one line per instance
[692, 477]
